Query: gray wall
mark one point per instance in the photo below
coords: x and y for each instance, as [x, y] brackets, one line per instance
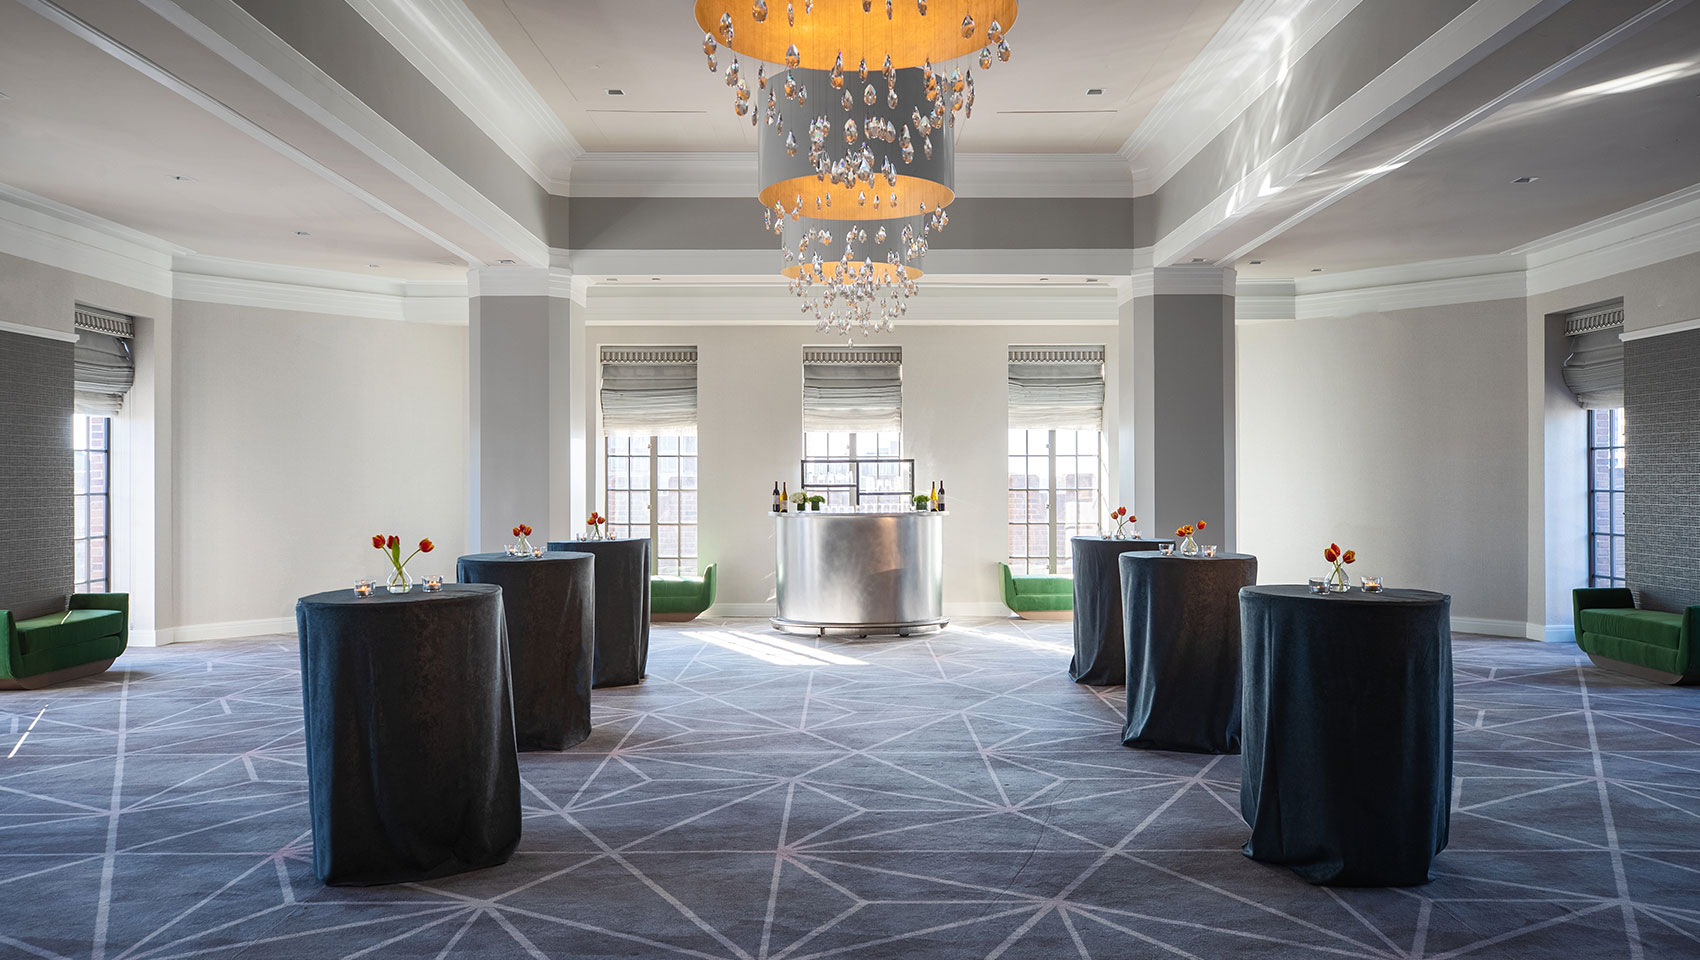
[1662, 477]
[35, 474]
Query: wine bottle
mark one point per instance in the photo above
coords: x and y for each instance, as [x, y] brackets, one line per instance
[939, 506]
[934, 496]
[776, 496]
[784, 499]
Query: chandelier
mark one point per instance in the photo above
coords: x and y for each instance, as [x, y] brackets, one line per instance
[861, 99]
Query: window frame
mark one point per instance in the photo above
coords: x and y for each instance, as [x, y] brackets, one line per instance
[1616, 451]
[855, 460]
[1058, 558]
[683, 564]
[92, 504]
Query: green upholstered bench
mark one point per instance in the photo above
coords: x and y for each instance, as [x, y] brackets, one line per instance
[1649, 644]
[680, 599]
[80, 642]
[1038, 597]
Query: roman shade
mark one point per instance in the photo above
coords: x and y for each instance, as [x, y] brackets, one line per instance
[649, 391]
[853, 389]
[1594, 369]
[104, 368]
[1056, 388]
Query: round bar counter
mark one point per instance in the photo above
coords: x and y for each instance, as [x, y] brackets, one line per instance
[860, 573]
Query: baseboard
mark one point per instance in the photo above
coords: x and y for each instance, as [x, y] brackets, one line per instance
[1554, 632]
[734, 610]
[978, 609]
[964, 611]
[1493, 628]
[194, 633]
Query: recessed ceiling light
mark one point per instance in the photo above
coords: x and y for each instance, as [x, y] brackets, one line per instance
[656, 279]
[1315, 269]
[613, 279]
[302, 233]
[616, 92]
[1525, 180]
[1256, 262]
[1091, 279]
[1095, 92]
[180, 178]
[508, 263]
[373, 265]
[1197, 259]
[1044, 279]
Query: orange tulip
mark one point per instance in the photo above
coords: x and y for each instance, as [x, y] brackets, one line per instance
[1329, 554]
[394, 542]
[1202, 524]
[426, 546]
[525, 528]
[1351, 556]
[516, 531]
[378, 540]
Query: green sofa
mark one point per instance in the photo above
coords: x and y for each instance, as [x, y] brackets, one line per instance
[80, 642]
[681, 599]
[1035, 597]
[1649, 644]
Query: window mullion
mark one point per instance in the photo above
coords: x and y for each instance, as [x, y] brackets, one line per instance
[654, 503]
[1051, 501]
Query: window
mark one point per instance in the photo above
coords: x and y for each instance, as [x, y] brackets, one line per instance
[649, 415]
[91, 443]
[858, 469]
[1056, 409]
[652, 492]
[1055, 466]
[1606, 448]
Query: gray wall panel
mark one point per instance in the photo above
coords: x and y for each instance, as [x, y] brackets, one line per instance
[35, 474]
[705, 223]
[340, 42]
[1662, 476]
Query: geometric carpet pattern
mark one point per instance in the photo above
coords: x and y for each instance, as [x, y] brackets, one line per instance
[771, 798]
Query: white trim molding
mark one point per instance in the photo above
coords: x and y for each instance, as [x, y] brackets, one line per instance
[1497, 628]
[1207, 280]
[1663, 329]
[63, 336]
[48, 232]
[195, 633]
[445, 41]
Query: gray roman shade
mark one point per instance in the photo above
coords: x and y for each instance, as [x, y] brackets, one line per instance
[649, 391]
[1056, 388]
[853, 389]
[1594, 369]
[104, 367]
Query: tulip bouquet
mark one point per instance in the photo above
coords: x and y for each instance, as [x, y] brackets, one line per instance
[1122, 518]
[1339, 581]
[1189, 546]
[523, 532]
[595, 521]
[399, 581]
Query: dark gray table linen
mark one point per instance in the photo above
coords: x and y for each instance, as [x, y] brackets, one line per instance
[1182, 617]
[1347, 769]
[411, 767]
[622, 607]
[1099, 651]
[551, 619]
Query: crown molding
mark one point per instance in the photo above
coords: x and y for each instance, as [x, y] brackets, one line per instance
[1255, 48]
[989, 266]
[48, 232]
[521, 282]
[766, 302]
[445, 41]
[1652, 232]
[235, 36]
[1193, 281]
[1264, 301]
[243, 283]
[734, 175]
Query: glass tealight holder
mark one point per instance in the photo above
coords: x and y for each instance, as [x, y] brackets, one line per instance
[1372, 584]
[513, 550]
[434, 583]
[1210, 549]
[363, 588]
[536, 553]
[1166, 549]
[1318, 584]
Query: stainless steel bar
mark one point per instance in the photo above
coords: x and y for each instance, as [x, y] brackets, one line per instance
[860, 573]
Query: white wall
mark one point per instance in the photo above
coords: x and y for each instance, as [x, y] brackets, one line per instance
[955, 425]
[1401, 435]
[299, 436]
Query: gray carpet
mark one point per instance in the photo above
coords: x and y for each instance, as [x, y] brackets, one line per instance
[768, 798]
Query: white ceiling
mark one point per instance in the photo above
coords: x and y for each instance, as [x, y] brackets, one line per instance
[83, 129]
[574, 51]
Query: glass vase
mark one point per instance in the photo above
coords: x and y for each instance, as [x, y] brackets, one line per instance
[400, 581]
[524, 546]
[1189, 547]
[1339, 581]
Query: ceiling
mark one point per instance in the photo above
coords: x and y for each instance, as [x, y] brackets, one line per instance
[574, 51]
[81, 128]
[1616, 131]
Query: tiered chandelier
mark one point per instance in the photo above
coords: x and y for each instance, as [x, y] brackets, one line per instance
[862, 99]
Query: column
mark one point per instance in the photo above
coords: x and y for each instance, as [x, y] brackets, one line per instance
[1177, 404]
[523, 357]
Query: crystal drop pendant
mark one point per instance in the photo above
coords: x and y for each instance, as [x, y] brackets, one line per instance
[850, 132]
[713, 66]
[891, 98]
[862, 69]
[967, 26]
[838, 72]
[869, 95]
[986, 59]
[927, 147]
[867, 6]
[759, 12]
[847, 101]
[802, 96]
[761, 76]
[790, 144]
[726, 27]
[792, 57]
[732, 71]
[994, 33]
[790, 14]
[1003, 51]
[880, 236]
[709, 45]
[956, 81]
[862, 199]
[908, 147]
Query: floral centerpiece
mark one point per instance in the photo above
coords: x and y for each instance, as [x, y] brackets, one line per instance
[1189, 546]
[399, 581]
[1122, 518]
[1339, 581]
[523, 532]
[595, 522]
